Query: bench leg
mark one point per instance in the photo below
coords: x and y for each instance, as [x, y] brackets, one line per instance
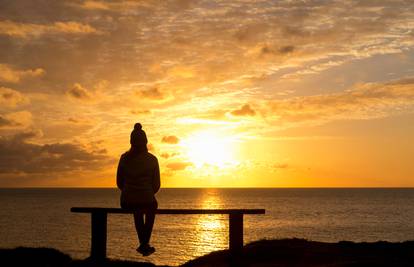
[98, 230]
[235, 233]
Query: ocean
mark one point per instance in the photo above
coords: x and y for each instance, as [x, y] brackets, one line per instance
[42, 218]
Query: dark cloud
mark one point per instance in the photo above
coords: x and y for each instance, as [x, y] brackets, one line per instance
[268, 50]
[20, 119]
[79, 120]
[280, 166]
[151, 93]
[4, 122]
[79, 92]
[245, 110]
[11, 98]
[73, 120]
[19, 155]
[170, 139]
[178, 166]
[286, 49]
[166, 155]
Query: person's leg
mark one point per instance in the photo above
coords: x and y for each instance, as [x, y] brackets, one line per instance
[149, 219]
[140, 227]
[149, 224]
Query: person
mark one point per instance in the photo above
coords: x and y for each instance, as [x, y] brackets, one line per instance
[138, 178]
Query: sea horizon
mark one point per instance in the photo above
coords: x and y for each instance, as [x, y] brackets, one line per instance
[201, 187]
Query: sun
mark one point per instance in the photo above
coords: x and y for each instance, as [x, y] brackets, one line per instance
[209, 148]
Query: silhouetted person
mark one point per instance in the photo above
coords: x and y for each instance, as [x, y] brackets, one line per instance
[138, 177]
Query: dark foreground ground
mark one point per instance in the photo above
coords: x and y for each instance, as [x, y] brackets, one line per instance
[285, 252]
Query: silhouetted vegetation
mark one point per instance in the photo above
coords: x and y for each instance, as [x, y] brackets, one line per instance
[48, 257]
[285, 252]
[303, 253]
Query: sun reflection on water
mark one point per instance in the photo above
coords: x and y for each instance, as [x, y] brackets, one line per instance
[211, 230]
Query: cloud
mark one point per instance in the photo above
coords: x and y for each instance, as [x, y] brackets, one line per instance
[170, 139]
[150, 147]
[266, 50]
[79, 120]
[20, 119]
[73, 27]
[79, 92]
[116, 6]
[4, 122]
[11, 75]
[245, 110]
[94, 5]
[96, 93]
[251, 33]
[286, 49]
[166, 155]
[181, 72]
[74, 120]
[12, 98]
[178, 166]
[140, 111]
[132, 6]
[280, 166]
[25, 30]
[364, 101]
[18, 155]
[152, 93]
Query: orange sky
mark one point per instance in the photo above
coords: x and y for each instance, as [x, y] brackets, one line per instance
[230, 93]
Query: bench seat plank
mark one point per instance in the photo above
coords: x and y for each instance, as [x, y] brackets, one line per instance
[170, 211]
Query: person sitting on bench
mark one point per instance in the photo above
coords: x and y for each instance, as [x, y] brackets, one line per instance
[138, 177]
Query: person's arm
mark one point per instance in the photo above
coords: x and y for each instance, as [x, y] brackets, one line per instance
[156, 182]
[120, 179]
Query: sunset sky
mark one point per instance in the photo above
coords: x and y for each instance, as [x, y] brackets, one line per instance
[230, 93]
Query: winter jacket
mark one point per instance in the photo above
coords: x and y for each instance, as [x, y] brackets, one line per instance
[138, 177]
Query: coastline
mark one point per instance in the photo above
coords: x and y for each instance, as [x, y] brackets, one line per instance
[278, 252]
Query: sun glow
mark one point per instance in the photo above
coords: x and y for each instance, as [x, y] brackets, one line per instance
[209, 148]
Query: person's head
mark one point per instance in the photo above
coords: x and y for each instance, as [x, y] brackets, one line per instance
[138, 138]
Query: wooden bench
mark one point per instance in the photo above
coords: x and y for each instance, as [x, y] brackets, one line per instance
[99, 223]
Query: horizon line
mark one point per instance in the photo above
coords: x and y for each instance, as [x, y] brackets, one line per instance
[241, 187]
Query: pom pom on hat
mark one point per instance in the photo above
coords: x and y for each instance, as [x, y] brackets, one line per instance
[138, 136]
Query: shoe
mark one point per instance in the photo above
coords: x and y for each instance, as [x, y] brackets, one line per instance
[146, 250]
[140, 249]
